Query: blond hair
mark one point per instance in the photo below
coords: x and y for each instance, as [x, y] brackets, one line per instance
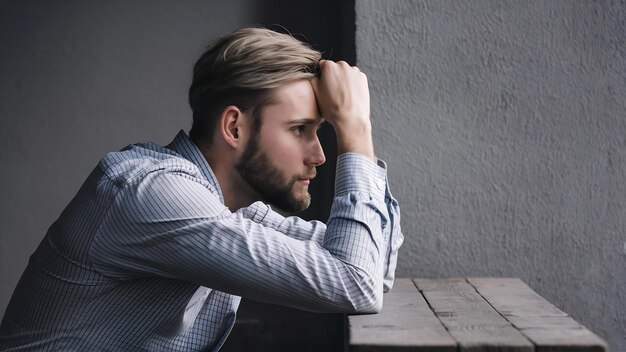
[241, 69]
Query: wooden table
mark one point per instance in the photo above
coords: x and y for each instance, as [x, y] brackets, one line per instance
[468, 314]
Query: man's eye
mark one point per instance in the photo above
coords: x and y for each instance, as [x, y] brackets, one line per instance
[299, 129]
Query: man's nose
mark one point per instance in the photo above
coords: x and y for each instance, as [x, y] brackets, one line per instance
[317, 156]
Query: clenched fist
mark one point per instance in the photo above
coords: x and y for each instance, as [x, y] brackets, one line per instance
[343, 99]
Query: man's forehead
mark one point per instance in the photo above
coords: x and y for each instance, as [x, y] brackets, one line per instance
[294, 102]
[296, 90]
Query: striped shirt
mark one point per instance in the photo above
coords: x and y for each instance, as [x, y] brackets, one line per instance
[147, 257]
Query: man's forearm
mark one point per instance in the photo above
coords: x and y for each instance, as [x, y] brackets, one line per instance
[355, 138]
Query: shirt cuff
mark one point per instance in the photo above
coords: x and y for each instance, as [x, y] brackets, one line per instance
[357, 173]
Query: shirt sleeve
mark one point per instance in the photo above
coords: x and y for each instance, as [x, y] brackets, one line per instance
[169, 225]
[393, 237]
[292, 226]
[300, 229]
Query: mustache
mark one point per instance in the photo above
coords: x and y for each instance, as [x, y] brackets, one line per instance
[310, 175]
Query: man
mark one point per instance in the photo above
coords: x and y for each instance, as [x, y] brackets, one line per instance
[160, 243]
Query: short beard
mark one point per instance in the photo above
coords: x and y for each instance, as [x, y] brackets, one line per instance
[256, 169]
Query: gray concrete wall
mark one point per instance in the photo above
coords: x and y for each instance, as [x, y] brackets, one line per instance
[504, 126]
[80, 79]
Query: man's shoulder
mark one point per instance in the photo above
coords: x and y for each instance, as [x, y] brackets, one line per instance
[136, 161]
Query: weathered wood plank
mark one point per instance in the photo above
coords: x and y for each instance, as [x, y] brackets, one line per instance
[549, 328]
[471, 320]
[405, 323]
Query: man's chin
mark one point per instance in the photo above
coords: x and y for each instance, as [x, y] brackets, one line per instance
[292, 205]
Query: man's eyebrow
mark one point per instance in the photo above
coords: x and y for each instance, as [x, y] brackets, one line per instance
[306, 121]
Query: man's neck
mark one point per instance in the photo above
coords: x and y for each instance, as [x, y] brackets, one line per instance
[237, 193]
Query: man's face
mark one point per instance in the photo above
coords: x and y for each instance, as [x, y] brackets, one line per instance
[279, 160]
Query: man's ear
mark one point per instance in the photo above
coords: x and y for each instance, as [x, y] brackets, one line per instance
[230, 126]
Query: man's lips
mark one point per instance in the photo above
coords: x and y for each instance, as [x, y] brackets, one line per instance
[307, 179]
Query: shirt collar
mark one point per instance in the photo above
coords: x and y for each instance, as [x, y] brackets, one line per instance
[184, 146]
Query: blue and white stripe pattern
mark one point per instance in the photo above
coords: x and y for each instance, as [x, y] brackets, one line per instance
[147, 257]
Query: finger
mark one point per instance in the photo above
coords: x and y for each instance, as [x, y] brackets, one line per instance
[343, 64]
[324, 63]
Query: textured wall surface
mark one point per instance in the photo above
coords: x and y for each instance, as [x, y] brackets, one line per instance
[504, 126]
[80, 79]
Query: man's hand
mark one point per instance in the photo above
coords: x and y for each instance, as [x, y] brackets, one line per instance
[344, 101]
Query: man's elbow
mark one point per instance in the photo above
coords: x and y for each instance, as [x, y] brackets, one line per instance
[372, 307]
[369, 299]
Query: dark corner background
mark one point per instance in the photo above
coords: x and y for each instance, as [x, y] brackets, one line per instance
[327, 26]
